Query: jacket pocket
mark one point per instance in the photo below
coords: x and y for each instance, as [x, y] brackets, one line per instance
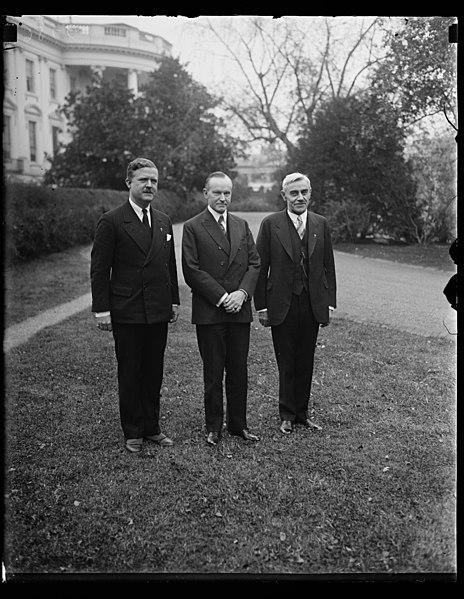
[124, 291]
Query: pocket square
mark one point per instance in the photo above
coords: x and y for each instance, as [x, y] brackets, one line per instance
[168, 237]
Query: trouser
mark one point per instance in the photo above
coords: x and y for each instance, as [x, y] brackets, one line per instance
[224, 348]
[140, 356]
[294, 345]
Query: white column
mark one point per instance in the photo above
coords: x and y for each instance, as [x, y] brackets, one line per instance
[64, 83]
[133, 81]
[63, 91]
[21, 143]
[44, 135]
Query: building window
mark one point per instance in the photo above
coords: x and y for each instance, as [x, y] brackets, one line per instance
[7, 137]
[53, 84]
[117, 31]
[56, 139]
[30, 80]
[72, 81]
[33, 140]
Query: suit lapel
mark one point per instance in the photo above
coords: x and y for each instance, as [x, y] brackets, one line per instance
[213, 229]
[135, 229]
[283, 233]
[312, 228]
[158, 235]
[234, 234]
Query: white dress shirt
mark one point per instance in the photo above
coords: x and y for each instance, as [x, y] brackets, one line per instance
[139, 213]
[217, 216]
[293, 217]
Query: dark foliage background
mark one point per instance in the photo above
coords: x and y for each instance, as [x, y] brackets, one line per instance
[41, 219]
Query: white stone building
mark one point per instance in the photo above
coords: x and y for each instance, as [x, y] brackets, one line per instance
[51, 57]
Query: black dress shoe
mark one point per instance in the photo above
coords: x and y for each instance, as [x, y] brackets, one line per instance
[245, 434]
[160, 439]
[212, 438]
[286, 427]
[310, 424]
[134, 445]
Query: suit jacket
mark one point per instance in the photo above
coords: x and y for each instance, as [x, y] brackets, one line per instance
[132, 275]
[212, 266]
[274, 287]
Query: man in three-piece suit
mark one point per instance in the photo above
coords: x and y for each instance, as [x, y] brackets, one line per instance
[295, 290]
[135, 295]
[221, 266]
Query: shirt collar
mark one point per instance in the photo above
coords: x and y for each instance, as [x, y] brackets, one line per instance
[138, 210]
[217, 214]
[293, 216]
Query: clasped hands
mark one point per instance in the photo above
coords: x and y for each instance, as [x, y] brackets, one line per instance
[234, 301]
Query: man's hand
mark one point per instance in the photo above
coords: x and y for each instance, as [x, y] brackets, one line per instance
[263, 318]
[104, 323]
[326, 324]
[175, 313]
[234, 301]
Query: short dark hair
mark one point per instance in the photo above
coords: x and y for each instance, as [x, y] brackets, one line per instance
[137, 163]
[216, 174]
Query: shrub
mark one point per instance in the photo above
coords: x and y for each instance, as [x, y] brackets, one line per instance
[41, 220]
[348, 220]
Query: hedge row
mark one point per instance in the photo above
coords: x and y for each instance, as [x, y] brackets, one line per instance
[40, 220]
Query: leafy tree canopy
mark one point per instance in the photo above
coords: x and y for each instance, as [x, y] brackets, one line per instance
[353, 154]
[419, 72]
[172, 122]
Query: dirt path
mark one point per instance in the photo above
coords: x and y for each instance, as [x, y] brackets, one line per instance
[400, 296]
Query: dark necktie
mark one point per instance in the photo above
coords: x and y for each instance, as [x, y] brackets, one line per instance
[145, 220]
[221, 224]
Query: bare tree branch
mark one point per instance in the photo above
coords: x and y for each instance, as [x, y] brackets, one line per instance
[362, 35]
[282, 81]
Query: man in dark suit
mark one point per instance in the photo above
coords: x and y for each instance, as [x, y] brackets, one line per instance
[295, 289]
[135, 294]
[221, 265]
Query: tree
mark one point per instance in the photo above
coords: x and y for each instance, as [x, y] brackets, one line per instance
[434, 163]
[287, 67]
[181, 128]
[172, 121]
[419, 72]
[353, 154]
[101, 124]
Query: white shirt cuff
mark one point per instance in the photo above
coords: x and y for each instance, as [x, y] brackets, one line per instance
[222, 299]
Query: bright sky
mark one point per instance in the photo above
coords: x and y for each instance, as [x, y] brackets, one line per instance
[195, 47]
[182, 32]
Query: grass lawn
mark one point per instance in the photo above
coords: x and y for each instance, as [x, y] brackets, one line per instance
[373, 492]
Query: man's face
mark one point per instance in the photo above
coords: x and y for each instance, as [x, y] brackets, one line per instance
[218, 193]
[297, 196]
[143, 186]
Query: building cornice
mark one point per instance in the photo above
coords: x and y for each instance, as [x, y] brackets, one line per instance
[28, 31]
[110, 50]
